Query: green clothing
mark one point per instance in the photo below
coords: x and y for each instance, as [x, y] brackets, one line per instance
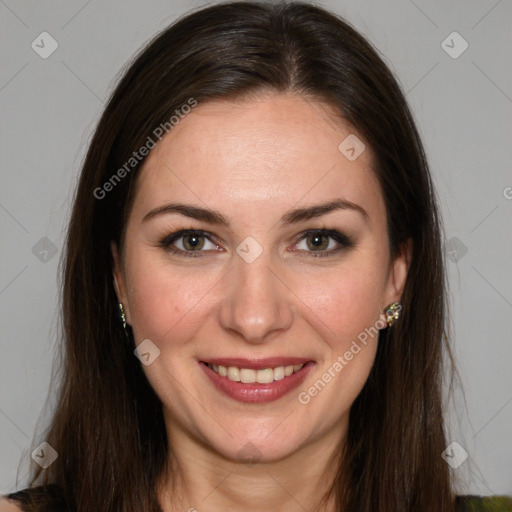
[484, 504]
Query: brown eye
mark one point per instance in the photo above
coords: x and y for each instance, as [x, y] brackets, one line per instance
[317, 242]
[193, 242]
[187, 242]
[324, 242]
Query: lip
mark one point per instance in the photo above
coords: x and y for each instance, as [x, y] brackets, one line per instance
[258, 393]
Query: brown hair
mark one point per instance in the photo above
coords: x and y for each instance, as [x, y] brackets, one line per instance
[108, 425]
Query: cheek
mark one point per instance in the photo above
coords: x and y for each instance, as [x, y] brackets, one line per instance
[344, 313]
[162, 300]
[346, 301]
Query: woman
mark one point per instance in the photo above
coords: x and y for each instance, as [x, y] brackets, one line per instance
[257, 207]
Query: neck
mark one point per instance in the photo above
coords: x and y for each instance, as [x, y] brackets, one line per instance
[202, 480]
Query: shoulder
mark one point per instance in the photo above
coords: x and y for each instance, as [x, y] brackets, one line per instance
[484, 503]
[8, 506]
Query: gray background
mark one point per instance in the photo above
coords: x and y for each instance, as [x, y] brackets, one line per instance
[463, 106]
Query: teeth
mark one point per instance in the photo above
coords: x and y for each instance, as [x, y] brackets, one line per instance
[233, 373]
[250, 376]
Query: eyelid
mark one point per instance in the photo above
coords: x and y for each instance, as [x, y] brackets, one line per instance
[167, 242]
[175, 235]
[344, 241]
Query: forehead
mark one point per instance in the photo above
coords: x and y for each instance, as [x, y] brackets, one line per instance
[269, 152]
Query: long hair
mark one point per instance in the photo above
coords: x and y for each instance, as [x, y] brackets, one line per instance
[108, 426]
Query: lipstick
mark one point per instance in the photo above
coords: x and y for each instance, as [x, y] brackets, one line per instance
[255, 392]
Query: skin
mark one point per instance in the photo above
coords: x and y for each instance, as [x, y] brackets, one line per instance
[253, 161]
[7, 506]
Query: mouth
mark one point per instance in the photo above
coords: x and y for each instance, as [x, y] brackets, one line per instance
[257, 380]
[251, 375]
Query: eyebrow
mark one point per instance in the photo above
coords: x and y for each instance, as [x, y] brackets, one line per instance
[292, 217]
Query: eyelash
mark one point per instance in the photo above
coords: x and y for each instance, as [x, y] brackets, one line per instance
[343, 239]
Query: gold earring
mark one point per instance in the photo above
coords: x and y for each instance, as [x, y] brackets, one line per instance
[392, 313]
[122, 315]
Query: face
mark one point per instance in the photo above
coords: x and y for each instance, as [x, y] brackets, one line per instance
[269, 280]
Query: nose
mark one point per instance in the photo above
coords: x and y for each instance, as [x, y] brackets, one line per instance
[256, 303]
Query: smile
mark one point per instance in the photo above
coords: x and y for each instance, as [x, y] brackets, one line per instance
[257, 381]
[250, 376]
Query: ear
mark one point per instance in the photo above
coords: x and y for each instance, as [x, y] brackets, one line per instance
[398, 274]
[119, 281]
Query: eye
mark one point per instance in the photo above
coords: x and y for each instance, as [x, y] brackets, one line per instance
[187, 242]
[323, 242]
[316, 242]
